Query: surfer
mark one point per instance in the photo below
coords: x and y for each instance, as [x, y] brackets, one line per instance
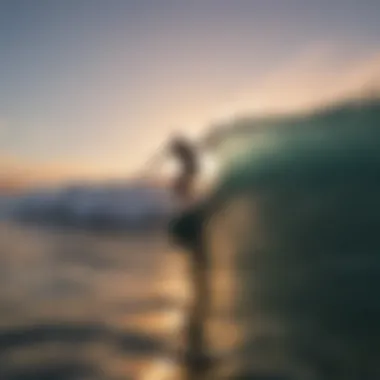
[186, 229]
[186, 155]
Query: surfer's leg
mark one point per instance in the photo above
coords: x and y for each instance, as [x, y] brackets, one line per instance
[187, 232]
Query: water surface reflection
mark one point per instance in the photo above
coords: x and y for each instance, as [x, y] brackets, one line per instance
[83, 305]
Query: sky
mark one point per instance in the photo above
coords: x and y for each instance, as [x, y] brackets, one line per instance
[91, 88]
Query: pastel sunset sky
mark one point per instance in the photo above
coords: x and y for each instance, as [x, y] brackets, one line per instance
[90, 88]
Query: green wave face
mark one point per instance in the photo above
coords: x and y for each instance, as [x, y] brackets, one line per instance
[294, 227]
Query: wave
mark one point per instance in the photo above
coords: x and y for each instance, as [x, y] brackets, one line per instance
[248, 132]
[130, 206]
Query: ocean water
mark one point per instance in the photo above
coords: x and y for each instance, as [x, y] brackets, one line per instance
[86, 305]
[293, 243]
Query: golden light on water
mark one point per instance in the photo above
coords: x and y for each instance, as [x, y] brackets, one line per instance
[161, 369]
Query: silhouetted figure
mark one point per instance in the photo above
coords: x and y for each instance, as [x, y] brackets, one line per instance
[186, 230]
[186, 154]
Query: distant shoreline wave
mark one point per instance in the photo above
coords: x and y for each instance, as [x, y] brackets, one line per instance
[101, 208]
